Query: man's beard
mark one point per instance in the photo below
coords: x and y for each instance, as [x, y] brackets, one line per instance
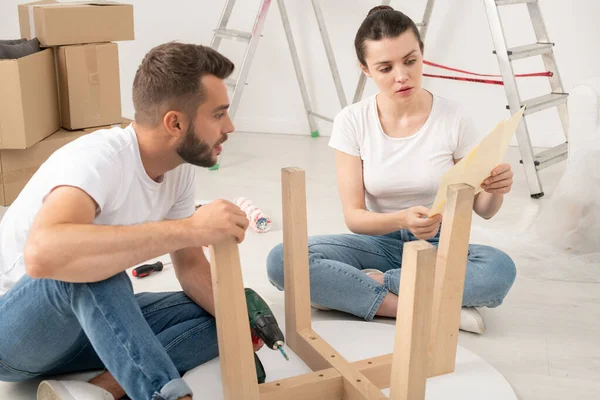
[196, 151]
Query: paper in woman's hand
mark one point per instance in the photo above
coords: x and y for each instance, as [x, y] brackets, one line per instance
[474, 168]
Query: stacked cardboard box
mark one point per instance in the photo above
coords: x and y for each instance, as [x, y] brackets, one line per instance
[73, 83]
[87, 63]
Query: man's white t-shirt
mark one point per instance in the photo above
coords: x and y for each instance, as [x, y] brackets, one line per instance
[106, 165]
[400, 173]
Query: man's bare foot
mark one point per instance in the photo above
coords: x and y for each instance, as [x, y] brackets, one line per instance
[389, 306]
[377, 277]
[107, 382]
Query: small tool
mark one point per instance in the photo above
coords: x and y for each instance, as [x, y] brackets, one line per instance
[147, 269]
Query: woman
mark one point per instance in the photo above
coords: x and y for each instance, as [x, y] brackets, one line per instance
[391, 151]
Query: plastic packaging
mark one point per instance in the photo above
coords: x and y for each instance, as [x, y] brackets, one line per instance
[570, 219]
[259, 222]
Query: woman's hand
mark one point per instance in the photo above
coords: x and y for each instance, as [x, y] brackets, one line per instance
[500, 180]
[420, 225]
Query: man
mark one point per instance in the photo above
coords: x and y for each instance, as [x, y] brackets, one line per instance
[106, 202]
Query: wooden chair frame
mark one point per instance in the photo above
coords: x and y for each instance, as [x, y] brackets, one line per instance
[428, 316]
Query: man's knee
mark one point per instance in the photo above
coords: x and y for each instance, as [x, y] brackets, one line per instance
[118, 285]
[275, 266]
[9, 374]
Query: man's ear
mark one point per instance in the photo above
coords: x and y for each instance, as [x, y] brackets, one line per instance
[176, 124]
[365, 70]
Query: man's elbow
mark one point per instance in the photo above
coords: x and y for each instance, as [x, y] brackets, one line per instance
[37, 265]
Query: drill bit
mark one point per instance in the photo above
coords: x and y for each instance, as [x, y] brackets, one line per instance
[283, 353]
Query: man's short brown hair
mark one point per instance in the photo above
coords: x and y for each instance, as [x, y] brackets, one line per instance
[169, 79]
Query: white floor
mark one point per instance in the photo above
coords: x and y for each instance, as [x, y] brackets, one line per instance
[543, 339]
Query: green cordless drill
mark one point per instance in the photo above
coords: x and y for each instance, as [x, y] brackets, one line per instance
[264, 326]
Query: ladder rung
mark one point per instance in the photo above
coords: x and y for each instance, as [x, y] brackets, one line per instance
[544, 102]
[509, 2]
[529, 50]
[420, 24]
[233, 34]
[551, 156]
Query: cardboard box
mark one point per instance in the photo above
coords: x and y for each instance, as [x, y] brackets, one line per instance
[58, 24]
[18, 166]
[28, 101]
[89, 87]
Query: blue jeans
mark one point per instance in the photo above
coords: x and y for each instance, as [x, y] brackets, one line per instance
[145, 340]
[337, 282]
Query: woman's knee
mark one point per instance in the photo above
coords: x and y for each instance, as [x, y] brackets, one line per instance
[275, 266]
[506, 270]
[500, 269]
[275, 260]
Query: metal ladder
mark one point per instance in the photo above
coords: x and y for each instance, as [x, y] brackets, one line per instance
[557, 98]
[422, 26]
[237, 85]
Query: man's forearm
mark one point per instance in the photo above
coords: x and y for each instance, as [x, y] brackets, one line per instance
[193, 273]
[197, 285]
[91, 253]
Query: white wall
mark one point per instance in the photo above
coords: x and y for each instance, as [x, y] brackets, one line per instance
[459, 36]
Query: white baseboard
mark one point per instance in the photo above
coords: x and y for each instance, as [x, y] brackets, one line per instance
[277, 126]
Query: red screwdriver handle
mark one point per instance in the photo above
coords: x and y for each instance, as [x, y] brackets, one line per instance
[147, 269]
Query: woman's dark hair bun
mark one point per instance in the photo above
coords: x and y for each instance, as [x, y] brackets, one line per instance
[379, 8]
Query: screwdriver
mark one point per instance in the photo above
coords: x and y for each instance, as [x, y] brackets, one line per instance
[147, 269]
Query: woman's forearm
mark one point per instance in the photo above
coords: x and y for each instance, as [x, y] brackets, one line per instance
[486, 205]
[372, 223]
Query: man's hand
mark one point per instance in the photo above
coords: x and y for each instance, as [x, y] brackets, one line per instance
[216, 221]
[500, 180]
[419, 225]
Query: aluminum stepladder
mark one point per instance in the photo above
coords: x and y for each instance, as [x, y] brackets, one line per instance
[557, 98]
[237, 85]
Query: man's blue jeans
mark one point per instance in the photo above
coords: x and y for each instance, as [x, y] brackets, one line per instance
[145, 340]
[337, 282]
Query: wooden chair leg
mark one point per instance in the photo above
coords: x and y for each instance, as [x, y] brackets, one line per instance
[450, 274]
[295, 245]
[410, 361]
[238, 371]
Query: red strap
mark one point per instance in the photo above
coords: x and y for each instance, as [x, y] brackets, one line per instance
[459, 78]
[548, 73]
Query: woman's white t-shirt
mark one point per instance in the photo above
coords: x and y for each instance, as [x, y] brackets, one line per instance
[400, 173]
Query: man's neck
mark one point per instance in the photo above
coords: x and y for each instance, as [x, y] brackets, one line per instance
[153, 152]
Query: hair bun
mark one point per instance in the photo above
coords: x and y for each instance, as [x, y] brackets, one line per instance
[379, 8]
